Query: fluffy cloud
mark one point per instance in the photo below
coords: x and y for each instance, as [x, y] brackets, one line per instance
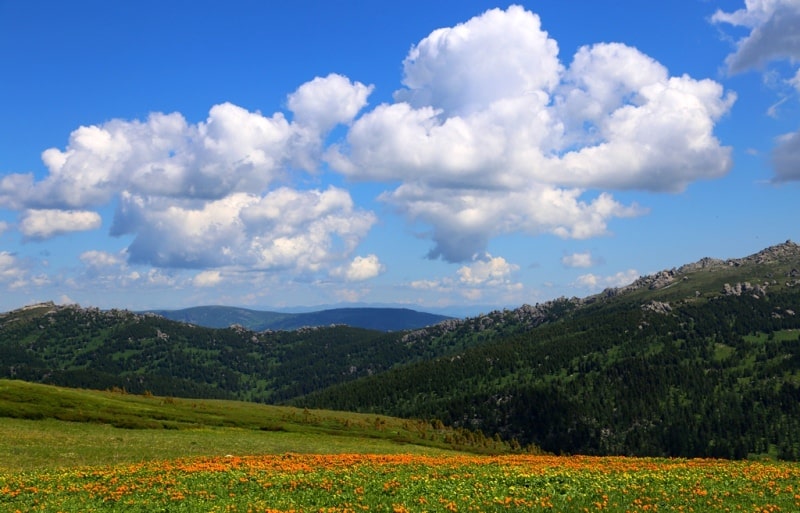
[204, 194]
[207, 279]
[326, 102]
[492, 134]
[233, 150]
[773, 35]
[596, 282]
[99, 259]
[578, 260]
[318, 106]
[462, 69]
[12, 272]
[3, 227]
[487, 271]
[285, 229]
[360, 269]
[464, 221]
[45, 223]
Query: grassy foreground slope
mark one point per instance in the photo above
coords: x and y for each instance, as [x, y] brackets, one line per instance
[46, 426]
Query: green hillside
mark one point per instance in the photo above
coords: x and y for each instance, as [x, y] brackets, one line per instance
[89, 348]
[700, 360]
[44, 425]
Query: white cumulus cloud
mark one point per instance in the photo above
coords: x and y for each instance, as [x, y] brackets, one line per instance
[490, 134]
[207, 279]
[360, 269]
[484, 273]
[11, 270]
[596, 282]
[206, 194]
[493, 134]
[462, 69]
[233, 150]
[487, 271]
[326, 102]
[285, 229]
[45, 223]
[578, 260]
[96, 258]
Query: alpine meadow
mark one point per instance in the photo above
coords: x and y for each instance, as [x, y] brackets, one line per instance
[401, 257]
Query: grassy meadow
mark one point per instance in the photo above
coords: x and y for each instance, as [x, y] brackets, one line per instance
[291, 482]
[64, 450]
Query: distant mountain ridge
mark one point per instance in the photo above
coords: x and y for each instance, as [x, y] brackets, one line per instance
[380, 319]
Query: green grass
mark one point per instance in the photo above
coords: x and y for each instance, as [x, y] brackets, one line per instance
[27, 445]
[44, 426]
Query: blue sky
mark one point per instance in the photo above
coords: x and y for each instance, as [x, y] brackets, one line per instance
[458, 155]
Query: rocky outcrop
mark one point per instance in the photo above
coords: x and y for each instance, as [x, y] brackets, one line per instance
[657, 307]
[651, 281]
[757, 291]
[703, 263]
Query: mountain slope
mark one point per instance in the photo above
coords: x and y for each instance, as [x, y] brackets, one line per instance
[703, 360]
[90, 348]
[21, 400]
[381, 319]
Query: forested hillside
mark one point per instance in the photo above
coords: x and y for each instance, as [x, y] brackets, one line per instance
[87, 347]
[701, 360]
[714, 371]
[719, 379]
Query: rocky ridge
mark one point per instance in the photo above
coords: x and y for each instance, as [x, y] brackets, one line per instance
[662, 279]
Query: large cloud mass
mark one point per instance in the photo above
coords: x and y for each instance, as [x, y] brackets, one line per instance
[492, 134]
[204, 194]
[233, 150]
[284, 229]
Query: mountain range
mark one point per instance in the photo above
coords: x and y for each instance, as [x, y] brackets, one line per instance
[381, 319]
[698, 360]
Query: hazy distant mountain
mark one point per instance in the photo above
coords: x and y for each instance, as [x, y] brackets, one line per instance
[381, 319]
[452, 311]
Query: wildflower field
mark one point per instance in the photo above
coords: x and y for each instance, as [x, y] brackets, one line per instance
[398, 483]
